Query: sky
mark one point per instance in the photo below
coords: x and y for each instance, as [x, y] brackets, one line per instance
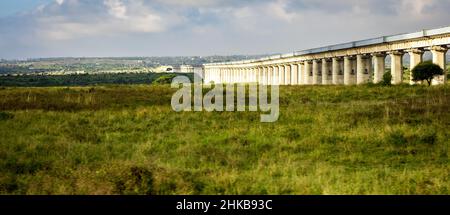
[116, 28]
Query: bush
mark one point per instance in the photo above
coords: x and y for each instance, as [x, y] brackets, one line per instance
[5, 116]
[426, 71]
[387, 78]
[165, 79]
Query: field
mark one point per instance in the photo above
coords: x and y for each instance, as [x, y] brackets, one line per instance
[127, 140]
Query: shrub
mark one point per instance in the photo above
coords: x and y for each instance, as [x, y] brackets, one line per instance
[164, 79]
[426, 71]
[387, 78]
[5, 116]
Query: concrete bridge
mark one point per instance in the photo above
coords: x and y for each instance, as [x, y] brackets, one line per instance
[356, 62]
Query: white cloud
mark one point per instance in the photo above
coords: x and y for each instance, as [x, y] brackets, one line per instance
[278, 9]
[116, 8]
[210, 26]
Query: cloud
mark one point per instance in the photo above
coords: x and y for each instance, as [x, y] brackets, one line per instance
[60, 2]
[198, 27]
[116, 8]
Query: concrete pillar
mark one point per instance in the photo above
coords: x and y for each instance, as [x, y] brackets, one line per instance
[281, 74]
[326, 71]
[348, 67]
[301, 76]
[259, 75]
[247, 75]
[219, 70]
[369, 75]
[294, 74]
[241, 75]
[438, 53]
[360, 69]
[337, 71]
[264, 75]
[316, 78]
[232, 75]
[269, 75]
[397, 67]
[287, 74]
[379, 66]
[253, 75]
[308, 73]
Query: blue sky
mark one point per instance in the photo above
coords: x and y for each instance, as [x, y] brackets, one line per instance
[86, 28]
[11, 7]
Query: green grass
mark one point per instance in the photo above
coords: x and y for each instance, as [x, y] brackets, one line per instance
[83, 80]
[127, 140]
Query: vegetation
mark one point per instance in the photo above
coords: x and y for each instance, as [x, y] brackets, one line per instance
[95, 65]
[387, 79]
[81, 80]
[165, 79]
[426, 71]
[127, 140]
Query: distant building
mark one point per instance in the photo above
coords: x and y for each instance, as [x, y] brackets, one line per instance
[186, 69]
[198, 70]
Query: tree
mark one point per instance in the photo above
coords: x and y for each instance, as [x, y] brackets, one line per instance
[387, 78]
[426, 71]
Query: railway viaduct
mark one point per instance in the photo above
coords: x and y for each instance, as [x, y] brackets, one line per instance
[350, 63]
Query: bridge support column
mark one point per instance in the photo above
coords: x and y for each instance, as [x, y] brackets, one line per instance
[218, 76]
[415, 57]
[260, 77]
[349, 70]
[337, 71]
[379, 66]
[397, 67]
[369, 66]
[361, 69]
[266, 76]
[246, 75]
[294, 74]
[308, 72]
[287, 74]
[326, 71]
[280, 74]
[438, 53]
[316, 78]
[301, 76]
[275, 75]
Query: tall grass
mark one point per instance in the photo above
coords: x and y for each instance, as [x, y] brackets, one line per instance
[127, 140]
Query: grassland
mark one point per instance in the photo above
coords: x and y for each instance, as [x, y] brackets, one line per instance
[127, 140]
